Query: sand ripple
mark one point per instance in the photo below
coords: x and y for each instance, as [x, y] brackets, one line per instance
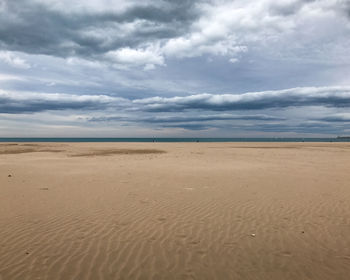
[210, 214]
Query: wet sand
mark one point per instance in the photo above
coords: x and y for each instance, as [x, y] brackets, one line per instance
[175, 211]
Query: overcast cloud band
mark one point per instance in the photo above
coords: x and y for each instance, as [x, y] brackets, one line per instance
[338, 97]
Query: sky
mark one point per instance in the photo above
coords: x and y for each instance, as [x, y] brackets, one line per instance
[185, 68]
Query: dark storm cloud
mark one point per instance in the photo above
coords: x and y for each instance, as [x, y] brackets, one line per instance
[336, 97]
[344, 6]
[328, 97]
[36, 28]
[289, 8]
[189, 126]
[299, 128]
[32, 103]
[278, 127]
[201, 122]
[345, 118]
[177, 119]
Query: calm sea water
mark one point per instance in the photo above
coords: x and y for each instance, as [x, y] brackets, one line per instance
[174, 139]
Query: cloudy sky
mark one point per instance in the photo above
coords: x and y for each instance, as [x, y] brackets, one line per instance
[184, 68]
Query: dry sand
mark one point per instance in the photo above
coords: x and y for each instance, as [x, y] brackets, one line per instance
[175, 211]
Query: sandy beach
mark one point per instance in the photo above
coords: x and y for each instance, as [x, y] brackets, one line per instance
[175, 211]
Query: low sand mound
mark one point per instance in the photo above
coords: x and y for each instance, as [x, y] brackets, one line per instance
[108, 152]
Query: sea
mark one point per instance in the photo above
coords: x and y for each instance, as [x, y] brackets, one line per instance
[182, 140]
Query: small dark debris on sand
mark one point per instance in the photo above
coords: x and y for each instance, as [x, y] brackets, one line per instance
[44, 189]
[9, 175]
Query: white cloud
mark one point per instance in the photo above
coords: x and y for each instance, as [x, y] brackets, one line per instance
[233, 60]
[6, 77]
[13, 60]
[147, 57]
[229, 28]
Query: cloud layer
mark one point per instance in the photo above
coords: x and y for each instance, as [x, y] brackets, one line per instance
[31, 103]
[150, 31]
[198, 110]
[161, 67]
[329, 97]
[93, 31]
[338, 97]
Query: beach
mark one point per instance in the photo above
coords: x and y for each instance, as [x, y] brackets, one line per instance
[174, 211]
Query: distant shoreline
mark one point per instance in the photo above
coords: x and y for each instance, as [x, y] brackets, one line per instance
[169, 140]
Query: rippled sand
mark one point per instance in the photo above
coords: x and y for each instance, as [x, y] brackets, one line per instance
[175, 211]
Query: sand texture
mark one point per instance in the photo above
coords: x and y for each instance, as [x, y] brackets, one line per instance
[175, 211]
